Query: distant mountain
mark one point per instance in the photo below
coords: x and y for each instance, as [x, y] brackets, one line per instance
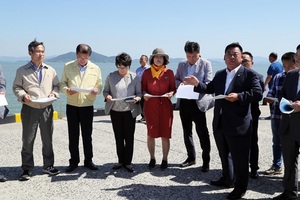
[95, 57]
[13, 59]
[99, 58]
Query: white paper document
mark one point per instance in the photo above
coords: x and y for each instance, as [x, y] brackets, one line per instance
[43, 100]
[123, 98]
[3, 101]
[272, 98]
[211, 97]
[220, 96]
[186, 92]
[285, 106]
[150, 95]
[83, 90]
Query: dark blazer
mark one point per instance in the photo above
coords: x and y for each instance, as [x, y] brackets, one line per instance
[255, 111]
[290, 122]
[235, 116]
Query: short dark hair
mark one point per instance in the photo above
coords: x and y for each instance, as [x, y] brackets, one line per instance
[288, 56]
[123, 59]
[273, 55]
[32, 45]
[233, 45]
[84, 48]
[298, 47]
[191, 47]
[145, 57]
[249, 54]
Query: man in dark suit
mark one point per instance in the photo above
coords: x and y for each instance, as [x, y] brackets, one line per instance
[289, 133]
[232, 122]
[255, 112]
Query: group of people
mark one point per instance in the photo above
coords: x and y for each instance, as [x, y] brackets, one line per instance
[149, 92]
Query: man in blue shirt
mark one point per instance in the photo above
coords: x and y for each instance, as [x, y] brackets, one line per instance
[274, 68]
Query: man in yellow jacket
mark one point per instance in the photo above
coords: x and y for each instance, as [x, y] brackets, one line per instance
[81, 81]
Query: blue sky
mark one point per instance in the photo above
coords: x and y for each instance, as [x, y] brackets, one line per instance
[139, 26]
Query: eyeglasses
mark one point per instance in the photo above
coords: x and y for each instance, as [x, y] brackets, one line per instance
[123, 68]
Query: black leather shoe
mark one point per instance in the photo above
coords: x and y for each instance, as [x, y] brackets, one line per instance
[187, 163]
[129, 168]
[254, 175]
[25, 176]
[91, 165]
[284, 197]
[117, 166]
[236, 194]
[205, 169]
[220, 183]
[71, 168]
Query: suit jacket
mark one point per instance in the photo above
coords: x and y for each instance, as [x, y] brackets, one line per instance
[71, 77]
[203, 72]
[235, 117]
[255, 106]
[290, 122]
[133, 89]
[26, 82]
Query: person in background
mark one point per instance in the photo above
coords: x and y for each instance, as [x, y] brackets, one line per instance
[190, 110]
[158, 80]
[288, 60]
[255, 112]
[121, 84]
[289, 133]
[2, 92]
[85, 75]
[232, 118]
[139, 72]
[275, 68]
[33, 81]
[297, 57]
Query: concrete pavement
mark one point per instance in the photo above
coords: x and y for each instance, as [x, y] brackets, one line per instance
[105, 183]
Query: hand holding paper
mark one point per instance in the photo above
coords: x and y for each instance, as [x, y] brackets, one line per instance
[186, 92]
[285, 106]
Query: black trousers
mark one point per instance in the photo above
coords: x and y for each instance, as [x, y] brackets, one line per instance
[124, 126]
[189, 113]
[254, 149]
[290, 152]
[80, 117]
[234, 155]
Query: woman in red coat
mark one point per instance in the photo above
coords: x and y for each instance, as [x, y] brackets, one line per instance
[158, 87]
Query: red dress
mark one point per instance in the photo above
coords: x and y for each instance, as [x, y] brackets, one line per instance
[158, 111]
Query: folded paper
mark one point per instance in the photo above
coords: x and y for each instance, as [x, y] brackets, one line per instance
[285, 106]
